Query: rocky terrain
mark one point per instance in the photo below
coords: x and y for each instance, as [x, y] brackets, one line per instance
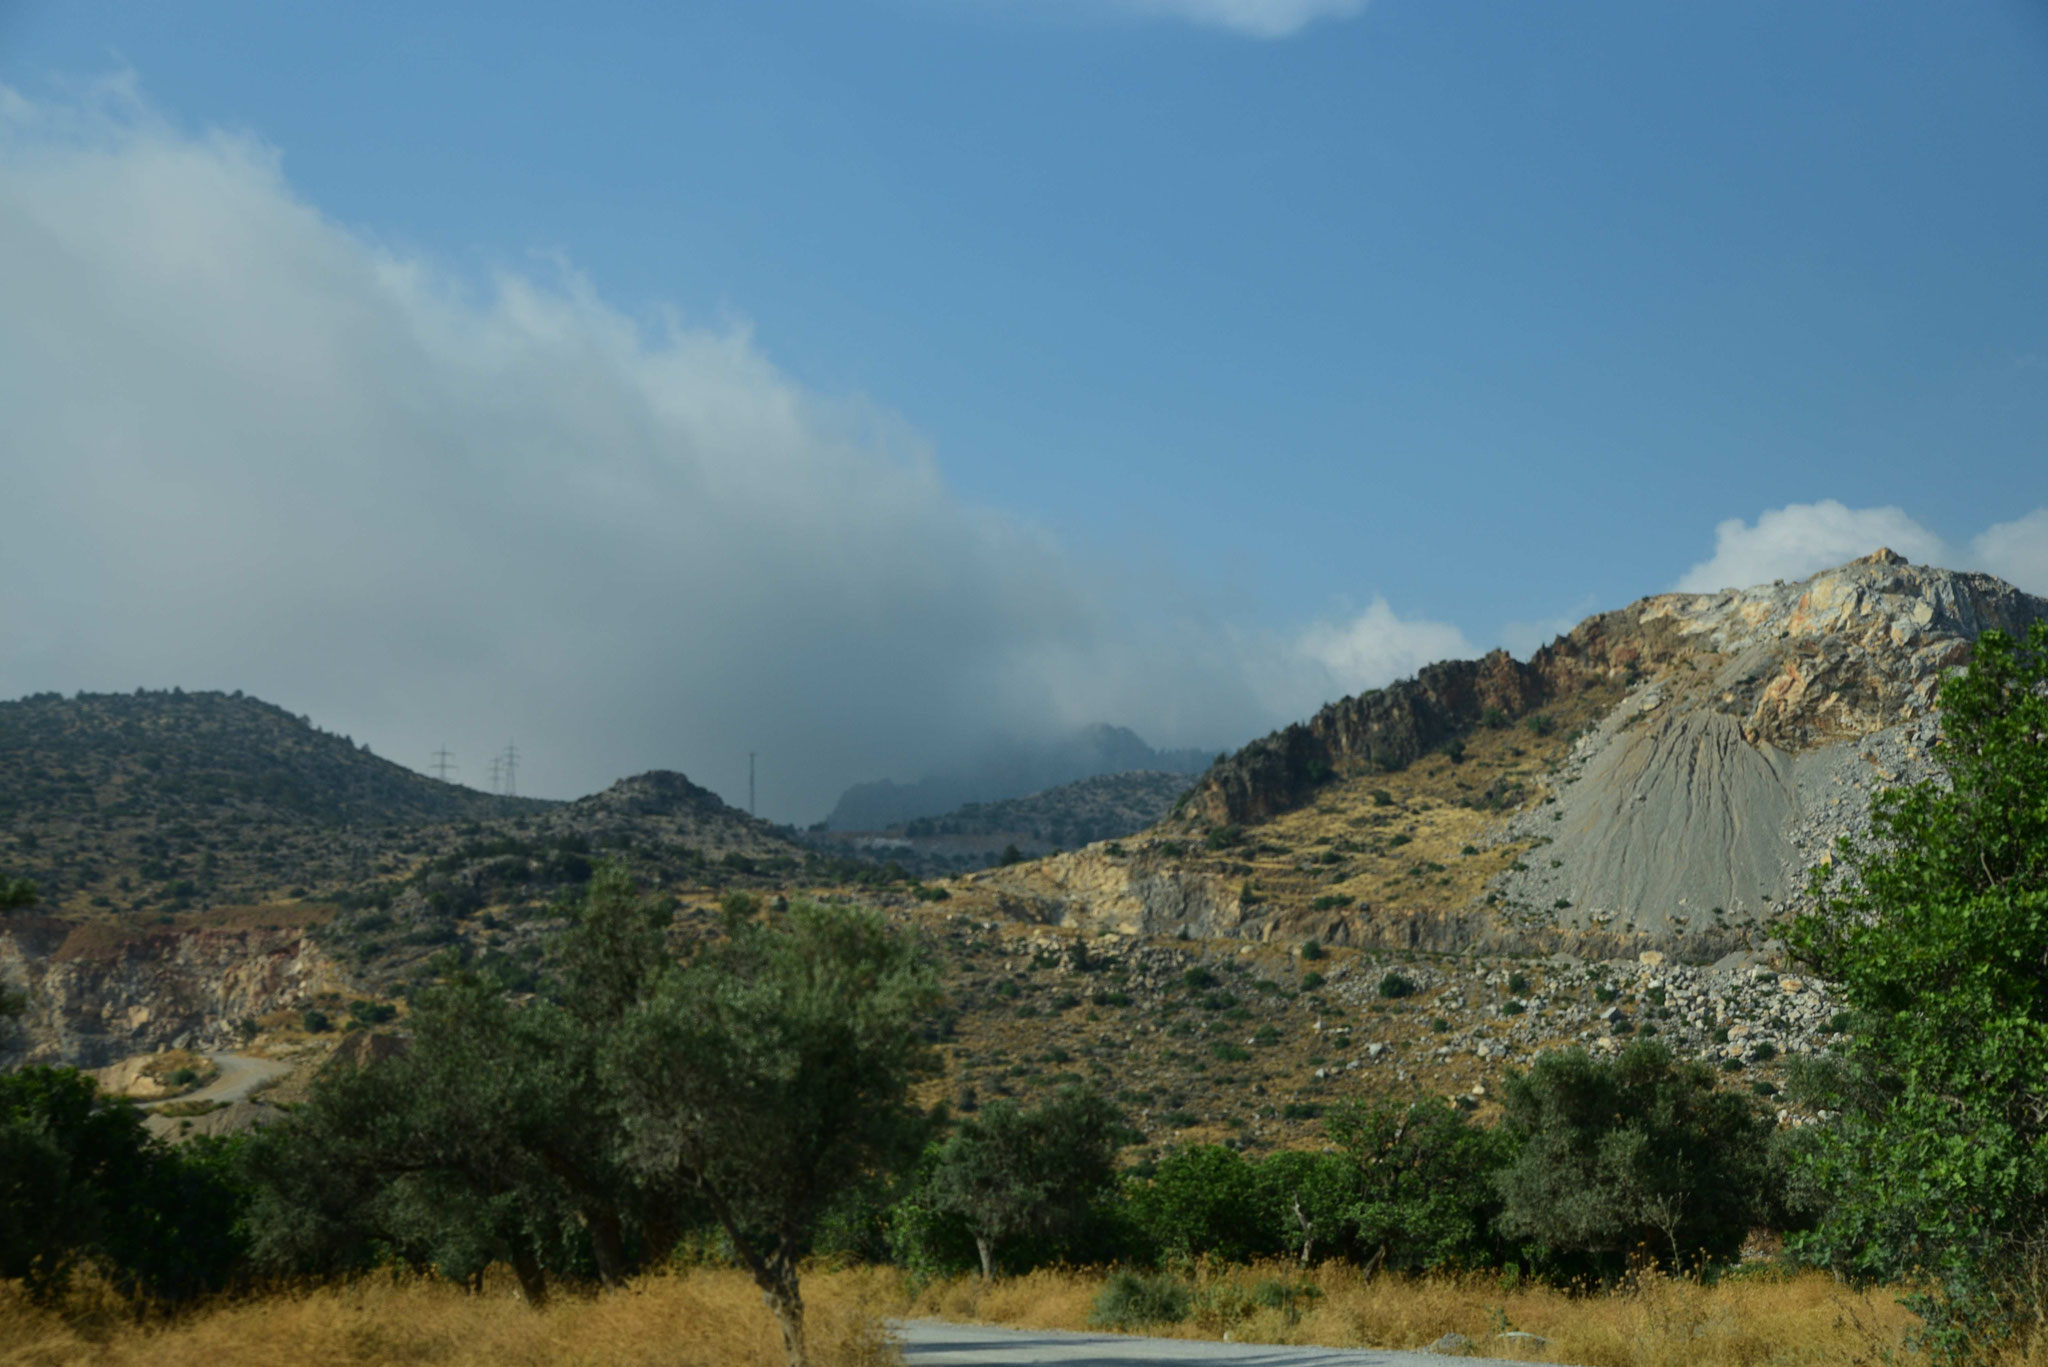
[1408, 893]
[1660, 779]
[983, 833]
[1011, 770]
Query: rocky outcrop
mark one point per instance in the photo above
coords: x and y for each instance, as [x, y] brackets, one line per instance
[1729, 739]
[1388, 728]
[96, 995]
[1845, 653]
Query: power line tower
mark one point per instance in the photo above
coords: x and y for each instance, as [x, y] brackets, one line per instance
[750, 783]
[444, 763]
[511, 769]
[497, 773]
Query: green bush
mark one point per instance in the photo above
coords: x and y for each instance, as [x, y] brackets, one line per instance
[1311, 980]
[1394, 985]
[315, 1021]
[1312, 949]
[1638, 1155]
[1539, 724]
[1134, 1300]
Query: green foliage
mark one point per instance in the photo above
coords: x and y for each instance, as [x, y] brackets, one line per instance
[1311, 980]
[1306, 1202]
[1134, 1300]
[1639, 1155]
[1012, 1173]
[1423, 1194]
[315, 1021]
[1938, 932]
[17, 892]
[1223, 838]
[83, 1183]
[1203, 1199]
[1393, 986]
[1492, 718]
[1539, 724]
[1312, 950]
[774, 1071]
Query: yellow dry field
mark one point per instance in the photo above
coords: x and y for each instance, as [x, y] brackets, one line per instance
[714, 1318]
[703, 1318]
[1802, 1321]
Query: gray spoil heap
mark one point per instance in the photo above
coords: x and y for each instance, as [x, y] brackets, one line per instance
[1699, 806]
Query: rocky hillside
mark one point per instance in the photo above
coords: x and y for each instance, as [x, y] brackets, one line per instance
[1008, 771]
[167, 802]
[205, 859]
[1660, 778]
[979, 834]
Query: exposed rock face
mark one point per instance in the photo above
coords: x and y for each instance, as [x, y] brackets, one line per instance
[1704, 799]
[1848, 652]
[1388, 728]
[1752, 729]
[92, 1004]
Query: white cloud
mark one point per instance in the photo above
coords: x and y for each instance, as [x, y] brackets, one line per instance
[1256, 18]
[2016, 551]
[1370, 648]
[245, 447]
[1803, 538]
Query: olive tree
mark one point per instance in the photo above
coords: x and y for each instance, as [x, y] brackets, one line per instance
[1012, 1171]
[772, 1072]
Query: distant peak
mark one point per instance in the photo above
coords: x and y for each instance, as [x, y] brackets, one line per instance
[1883, 555]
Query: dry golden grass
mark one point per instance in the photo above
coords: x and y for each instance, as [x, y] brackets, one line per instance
[1800, 1321]
[703, 1318]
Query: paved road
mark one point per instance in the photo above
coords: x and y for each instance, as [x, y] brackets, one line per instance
[936, 1343]
[240, 1074]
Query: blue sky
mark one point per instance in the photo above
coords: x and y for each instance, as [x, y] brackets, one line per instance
[1388, 327]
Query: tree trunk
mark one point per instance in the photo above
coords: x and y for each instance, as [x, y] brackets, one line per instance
[607, 1244]
[533, 1283]
[779, 1291]
[988, 1257]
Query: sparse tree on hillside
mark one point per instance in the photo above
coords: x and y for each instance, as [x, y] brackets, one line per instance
[773, 1072]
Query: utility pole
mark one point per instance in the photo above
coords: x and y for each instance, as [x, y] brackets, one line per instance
[750, 783]
[444, 761]
[511, 769]
[497, 771]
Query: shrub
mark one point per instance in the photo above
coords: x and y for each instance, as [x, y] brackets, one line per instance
[1312, 949]
[1198, 978]
[315, 1021]
[1493, 718]
[1202, 1200]
[1335, 901]
[1394, 985]
[1511, 1007]
[1641, 1154]
[1382, 798]
[1133, 1300]
[1311, 980]
[1518, 984]
[1225, 1052]
[1223, 838]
